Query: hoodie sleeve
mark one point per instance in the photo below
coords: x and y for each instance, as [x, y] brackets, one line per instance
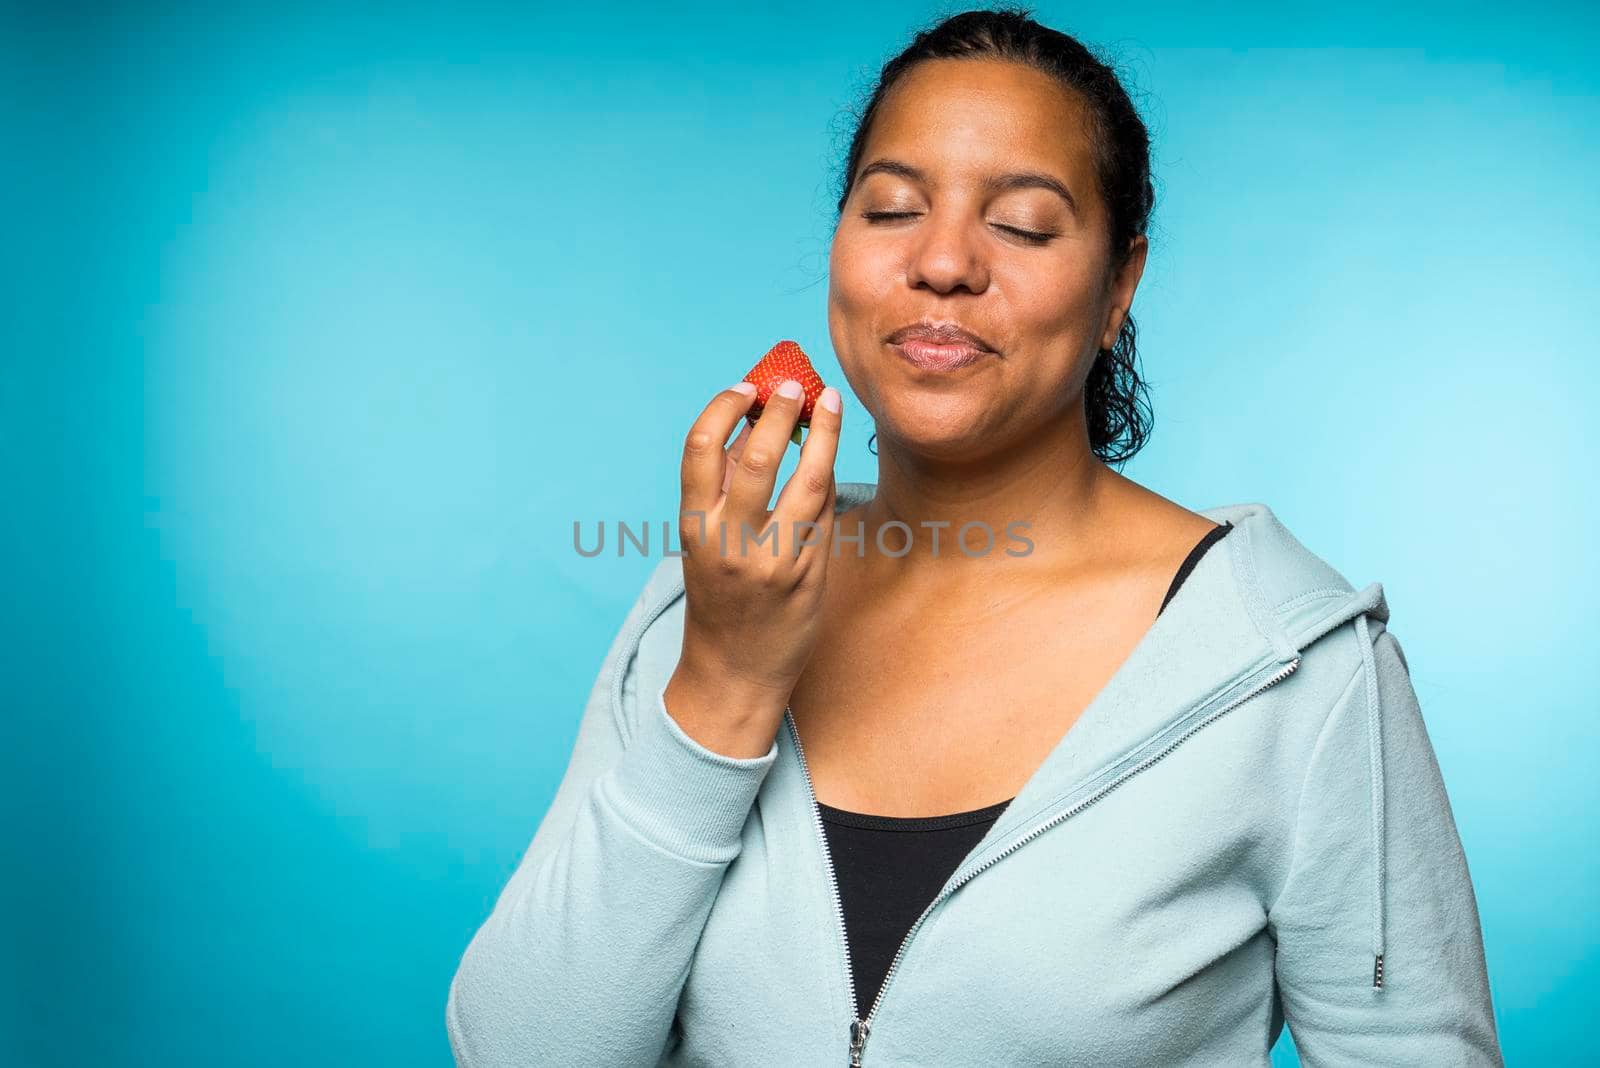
[584, 956]
[1379, 950]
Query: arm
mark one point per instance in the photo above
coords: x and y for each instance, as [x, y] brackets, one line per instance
[584, 956]
[1330, 919]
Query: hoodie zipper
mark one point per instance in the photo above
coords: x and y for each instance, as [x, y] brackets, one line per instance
[858, 1026]
[861, 1027]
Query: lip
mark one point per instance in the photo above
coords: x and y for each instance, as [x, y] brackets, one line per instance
[946, 332]
[939, 357]
[939, 345]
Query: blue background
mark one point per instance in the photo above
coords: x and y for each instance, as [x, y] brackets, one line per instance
[321, 329]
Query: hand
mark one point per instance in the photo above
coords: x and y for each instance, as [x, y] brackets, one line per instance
[754, 579]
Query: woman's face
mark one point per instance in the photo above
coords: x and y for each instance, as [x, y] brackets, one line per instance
[940, 151]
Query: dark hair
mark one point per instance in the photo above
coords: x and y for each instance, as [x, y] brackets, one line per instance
[1115, 397]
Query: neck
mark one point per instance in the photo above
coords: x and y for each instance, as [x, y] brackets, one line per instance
[1051, 491]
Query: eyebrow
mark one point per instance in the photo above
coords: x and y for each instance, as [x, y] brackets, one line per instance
[993, 183]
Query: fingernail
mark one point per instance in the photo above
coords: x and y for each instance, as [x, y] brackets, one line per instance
[747, 388]
[790, 389]
[830, 399]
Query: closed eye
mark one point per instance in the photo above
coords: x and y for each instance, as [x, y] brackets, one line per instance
[1026, 235]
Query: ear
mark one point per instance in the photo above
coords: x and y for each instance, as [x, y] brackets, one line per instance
[1122, 287]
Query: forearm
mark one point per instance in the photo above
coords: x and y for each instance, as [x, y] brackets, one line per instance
[584, 957]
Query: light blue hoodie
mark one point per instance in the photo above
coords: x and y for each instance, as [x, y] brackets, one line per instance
[1246, 826]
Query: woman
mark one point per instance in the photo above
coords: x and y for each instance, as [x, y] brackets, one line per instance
[1135, 789]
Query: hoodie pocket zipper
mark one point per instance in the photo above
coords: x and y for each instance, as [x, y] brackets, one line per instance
[861, 1027]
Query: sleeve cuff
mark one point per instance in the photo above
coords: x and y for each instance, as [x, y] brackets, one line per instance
[681, 796]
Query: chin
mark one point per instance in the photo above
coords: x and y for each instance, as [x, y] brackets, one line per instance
[946, 435]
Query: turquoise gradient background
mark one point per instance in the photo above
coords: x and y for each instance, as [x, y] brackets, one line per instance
[321, 329]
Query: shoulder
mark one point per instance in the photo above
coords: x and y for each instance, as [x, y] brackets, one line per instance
[1301, 601]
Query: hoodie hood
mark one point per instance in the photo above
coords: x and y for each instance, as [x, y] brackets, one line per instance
[1245, 616]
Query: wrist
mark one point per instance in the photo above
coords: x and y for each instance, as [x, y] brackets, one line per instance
[703, 667]
[720, 713]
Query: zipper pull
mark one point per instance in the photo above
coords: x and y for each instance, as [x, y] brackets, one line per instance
[858, 1041]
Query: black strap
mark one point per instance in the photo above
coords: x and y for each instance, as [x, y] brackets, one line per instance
[1212, 536]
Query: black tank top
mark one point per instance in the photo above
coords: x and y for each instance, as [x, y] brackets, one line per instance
[889, 867]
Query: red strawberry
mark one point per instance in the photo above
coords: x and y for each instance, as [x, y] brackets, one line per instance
[784, 360]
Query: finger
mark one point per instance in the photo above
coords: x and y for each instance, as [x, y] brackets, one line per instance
[821, 546]
[804, 497]
[733, 453]
[703, 455]
[757, 470]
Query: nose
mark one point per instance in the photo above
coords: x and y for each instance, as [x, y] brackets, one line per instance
[947, 255]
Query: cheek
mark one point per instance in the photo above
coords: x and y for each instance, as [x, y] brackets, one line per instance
[856, 290]
[1052, 296]
[858, 287]
[1056, 321]
[864, 270]
[1060, 313]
